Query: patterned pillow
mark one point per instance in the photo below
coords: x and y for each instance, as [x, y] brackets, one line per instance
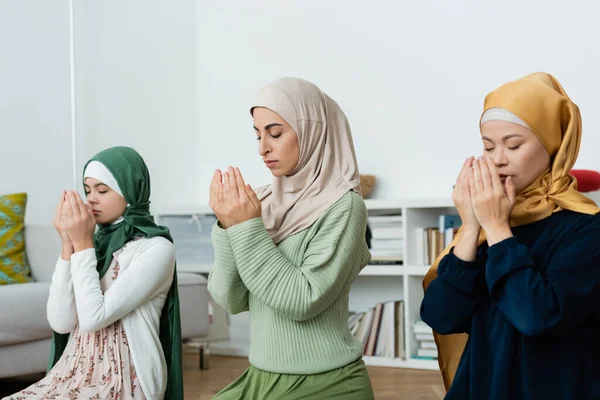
[13, 264]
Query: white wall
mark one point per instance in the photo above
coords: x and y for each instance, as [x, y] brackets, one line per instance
[136, 76]
[175, 80]
[35, 124]
[411, 76]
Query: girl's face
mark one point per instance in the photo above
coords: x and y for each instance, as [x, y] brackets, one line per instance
[277, 142]
[106, 204]
[516, 151]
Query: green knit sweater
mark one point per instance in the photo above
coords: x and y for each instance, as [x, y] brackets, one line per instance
[296, 291]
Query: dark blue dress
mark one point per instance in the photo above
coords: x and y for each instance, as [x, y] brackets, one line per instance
[531, 307]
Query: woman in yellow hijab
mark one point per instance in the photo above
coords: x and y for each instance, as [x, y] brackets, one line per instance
[515, 299]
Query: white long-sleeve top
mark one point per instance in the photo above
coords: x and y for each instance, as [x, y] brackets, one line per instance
[136, 298]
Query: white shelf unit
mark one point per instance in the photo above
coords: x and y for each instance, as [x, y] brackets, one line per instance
[376, 283]
[381, 283]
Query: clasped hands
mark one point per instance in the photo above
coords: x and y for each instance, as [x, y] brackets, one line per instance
[482, 200]
[75, 223]
[231, 199]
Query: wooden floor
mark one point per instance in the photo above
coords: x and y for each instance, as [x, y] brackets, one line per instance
[389, 383]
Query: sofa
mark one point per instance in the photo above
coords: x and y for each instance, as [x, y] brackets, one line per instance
[25, 335]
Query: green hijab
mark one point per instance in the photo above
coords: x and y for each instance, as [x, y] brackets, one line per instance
[131, 173]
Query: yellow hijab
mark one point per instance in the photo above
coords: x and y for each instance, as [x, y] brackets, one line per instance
[541, 102]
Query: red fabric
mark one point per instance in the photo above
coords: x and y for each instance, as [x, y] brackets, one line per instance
[587, 180]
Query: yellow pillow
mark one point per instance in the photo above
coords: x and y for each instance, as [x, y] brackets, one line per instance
[13, 264]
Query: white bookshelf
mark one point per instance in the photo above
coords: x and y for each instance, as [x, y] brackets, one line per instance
[382, 270]
[401, 363]
[376, 283]
[381, 283]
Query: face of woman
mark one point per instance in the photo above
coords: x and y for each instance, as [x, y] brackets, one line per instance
[516, 151]
[277, 142]
[107, 205]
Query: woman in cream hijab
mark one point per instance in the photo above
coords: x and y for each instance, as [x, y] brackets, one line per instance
[289, 253]
[522, 277]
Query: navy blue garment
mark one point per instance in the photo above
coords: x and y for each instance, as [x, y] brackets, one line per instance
[531, 307]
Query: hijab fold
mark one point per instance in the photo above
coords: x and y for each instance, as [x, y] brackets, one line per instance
[327, 167]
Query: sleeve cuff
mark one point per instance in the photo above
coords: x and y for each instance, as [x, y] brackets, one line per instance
[222, 246]
[62, 272]
[459, 273]
[504, 258]
[250, 243]
[62, 264]
[80, 256]
[245, 228]
[455, 261]
[501, 248]
[218, 232]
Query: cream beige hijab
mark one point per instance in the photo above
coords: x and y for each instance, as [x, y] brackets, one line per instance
[327, 167]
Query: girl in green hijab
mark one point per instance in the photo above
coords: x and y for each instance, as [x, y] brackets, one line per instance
[113, 300]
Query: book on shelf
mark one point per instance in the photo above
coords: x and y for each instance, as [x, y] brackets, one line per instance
[380, 329]
[424, 336]
[387, 232]
[429, 244]
[373, 334]
[385, 228]
[387, 245]
[364, 327]
[393, 258]
[430, 353]
[387, 239]
[449, 224]
[422, 327]
[418, 357]
[385, 220]
[431, 241]
[427, 344]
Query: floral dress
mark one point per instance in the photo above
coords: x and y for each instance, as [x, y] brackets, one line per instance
[94, 365]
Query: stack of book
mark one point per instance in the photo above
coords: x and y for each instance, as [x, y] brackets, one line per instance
[387, 239]
[424, 336]
[431, 241]
[381, 329]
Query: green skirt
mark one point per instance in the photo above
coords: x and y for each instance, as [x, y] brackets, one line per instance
[347, 383]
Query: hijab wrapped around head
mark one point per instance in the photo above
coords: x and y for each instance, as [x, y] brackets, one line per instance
[327, 167]
[538, 102]
[124, 171]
